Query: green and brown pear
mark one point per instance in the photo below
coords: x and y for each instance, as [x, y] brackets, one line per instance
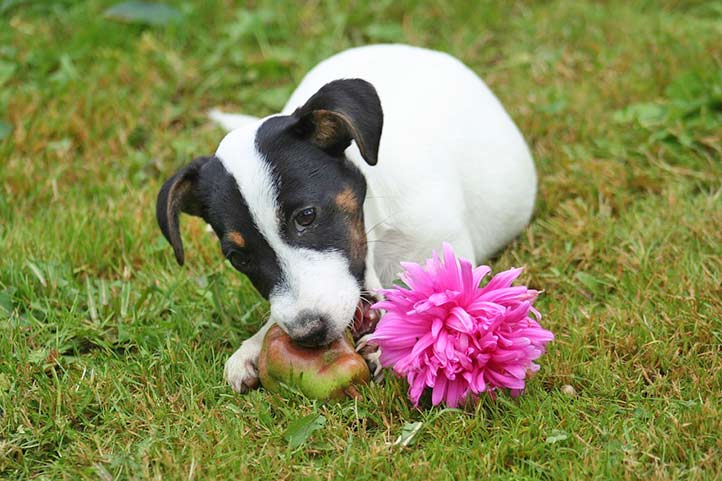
[328, 372]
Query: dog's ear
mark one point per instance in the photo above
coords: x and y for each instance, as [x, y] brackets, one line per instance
[179, 194]
[341, 111]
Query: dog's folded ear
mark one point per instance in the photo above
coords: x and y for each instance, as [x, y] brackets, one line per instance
[341, 111]
[179, 194]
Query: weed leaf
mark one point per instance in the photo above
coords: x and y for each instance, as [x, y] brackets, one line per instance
[408, 432]
[301, 429]
[6, 301]
[556, 436]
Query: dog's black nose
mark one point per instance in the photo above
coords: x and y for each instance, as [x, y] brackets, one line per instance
[314, 338]
[310, 330]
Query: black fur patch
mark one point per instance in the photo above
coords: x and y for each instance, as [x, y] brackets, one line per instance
[308, 176]
[341, 111]
[305, 153]
[211, 192]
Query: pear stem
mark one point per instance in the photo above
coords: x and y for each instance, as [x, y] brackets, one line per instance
[352, 392]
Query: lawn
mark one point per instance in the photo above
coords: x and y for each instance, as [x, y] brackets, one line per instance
[111, 356]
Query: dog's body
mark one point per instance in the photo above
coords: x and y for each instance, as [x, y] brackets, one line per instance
[452, 166]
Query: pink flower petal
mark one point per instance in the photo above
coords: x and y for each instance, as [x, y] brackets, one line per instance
[504, 380]
[501, 280]
[455, 391]
[416, 389]
[464, 318]
[439, 390]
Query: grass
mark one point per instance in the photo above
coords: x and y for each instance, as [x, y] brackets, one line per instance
[111, 356]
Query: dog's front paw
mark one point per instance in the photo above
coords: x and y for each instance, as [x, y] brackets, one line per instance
[241, 370]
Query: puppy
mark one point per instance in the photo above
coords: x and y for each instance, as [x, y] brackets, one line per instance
[380, 154]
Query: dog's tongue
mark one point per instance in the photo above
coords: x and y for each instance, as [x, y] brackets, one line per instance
[365, 318]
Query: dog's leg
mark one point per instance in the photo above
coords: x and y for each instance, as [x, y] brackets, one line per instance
[241, 370]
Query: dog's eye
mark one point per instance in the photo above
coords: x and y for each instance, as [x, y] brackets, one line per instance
[305, 218]
[239, 260]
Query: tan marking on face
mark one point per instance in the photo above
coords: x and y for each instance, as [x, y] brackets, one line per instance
[236, 238]
[346, 201]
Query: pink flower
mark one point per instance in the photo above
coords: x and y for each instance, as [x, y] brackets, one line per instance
[447, 333]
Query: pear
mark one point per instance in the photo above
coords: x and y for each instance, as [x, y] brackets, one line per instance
[325, 373]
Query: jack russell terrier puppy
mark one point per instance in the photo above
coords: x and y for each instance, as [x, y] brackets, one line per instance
[380, 154]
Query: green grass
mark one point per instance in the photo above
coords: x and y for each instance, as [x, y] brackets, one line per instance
[111, 356]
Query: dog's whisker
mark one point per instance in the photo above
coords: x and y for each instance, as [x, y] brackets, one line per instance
[380, 241]
[265, 315]
[368, 231]
[382, 196]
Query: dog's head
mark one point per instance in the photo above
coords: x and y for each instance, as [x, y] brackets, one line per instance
[287, 206]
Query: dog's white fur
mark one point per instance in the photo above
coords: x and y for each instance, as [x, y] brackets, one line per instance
[452, 167]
